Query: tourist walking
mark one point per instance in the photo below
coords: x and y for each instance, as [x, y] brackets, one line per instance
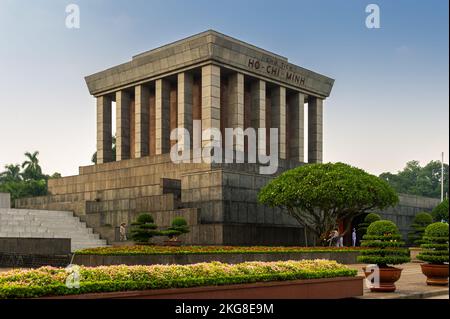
[123, 232]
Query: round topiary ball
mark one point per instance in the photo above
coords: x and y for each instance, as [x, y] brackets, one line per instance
[179, 221]
[383, 228]
[423, 218]
[436, 230]
[371, 217]
[145, 219]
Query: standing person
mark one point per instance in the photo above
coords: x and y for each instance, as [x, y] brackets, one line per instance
[123, 232]
[354, 237]
[334, 238]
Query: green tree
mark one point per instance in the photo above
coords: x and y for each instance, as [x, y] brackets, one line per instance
[440, 212]
[26, 180]
[11, 173]
[179, 226]
[420, 222]
[27, 188]
[32, 169]
[318, 196]
[144, 229]
[417, 180]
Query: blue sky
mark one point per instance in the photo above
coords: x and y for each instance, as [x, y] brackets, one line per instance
[390, 102]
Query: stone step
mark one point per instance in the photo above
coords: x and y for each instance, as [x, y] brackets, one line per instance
[40, 214]
[28, 223]
[36, 212]
[43, 224]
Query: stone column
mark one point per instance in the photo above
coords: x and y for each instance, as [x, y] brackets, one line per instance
[185, 85]
[122, 125]
[297, 126]
[210, 100]
[162, 116]
[315, 134]
[258, 109]
[236, 110]
[141, 131]
[279, 117]
[104, 130]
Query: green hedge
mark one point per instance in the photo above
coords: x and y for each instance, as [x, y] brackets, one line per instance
[48, 281]
[139, 250]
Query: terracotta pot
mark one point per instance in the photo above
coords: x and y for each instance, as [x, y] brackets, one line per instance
[388, 277]
[437, 275]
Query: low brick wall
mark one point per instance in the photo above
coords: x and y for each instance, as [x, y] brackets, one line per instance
[231, 258]
[34, 252]
[10, 260]
[38, 246]
[324, 288]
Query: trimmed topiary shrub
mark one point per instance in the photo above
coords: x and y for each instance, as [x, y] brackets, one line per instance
[144, 229]
[386, 248]
[179, 227]
[440, 212]
[435, 244]
[421, 221]
[369, 219]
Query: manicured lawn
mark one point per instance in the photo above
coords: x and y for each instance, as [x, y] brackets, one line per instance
[161, 250]
[49, 281]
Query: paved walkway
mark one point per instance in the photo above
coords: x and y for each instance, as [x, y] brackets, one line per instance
[411, 285]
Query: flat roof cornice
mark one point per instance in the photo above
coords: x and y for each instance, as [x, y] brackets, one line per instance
[209, 46]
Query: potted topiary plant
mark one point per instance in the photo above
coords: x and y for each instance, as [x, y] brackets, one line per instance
[179, 227]
[369, 219]
[420, 222]
[385, 248]
[435, 253]
[144, 229]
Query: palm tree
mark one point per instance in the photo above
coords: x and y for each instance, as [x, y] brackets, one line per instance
[12, 173]
[31, 167]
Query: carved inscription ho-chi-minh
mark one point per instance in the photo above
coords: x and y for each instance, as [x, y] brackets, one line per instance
[281, 70]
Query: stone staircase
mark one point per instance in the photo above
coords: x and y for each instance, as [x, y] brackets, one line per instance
[25, 223]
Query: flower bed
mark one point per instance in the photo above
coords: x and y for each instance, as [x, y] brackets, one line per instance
[48, 281]
[184, 250]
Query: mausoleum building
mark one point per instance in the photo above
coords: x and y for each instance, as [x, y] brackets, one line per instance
[211, 81]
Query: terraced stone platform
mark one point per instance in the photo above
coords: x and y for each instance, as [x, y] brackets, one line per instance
[25, 223]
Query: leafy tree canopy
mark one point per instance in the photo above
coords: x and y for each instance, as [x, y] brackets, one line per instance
[26, 180]
[440, 212]
[417, 180]
[320, 195]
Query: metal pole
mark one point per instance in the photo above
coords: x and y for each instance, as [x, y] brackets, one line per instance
[442, 178]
